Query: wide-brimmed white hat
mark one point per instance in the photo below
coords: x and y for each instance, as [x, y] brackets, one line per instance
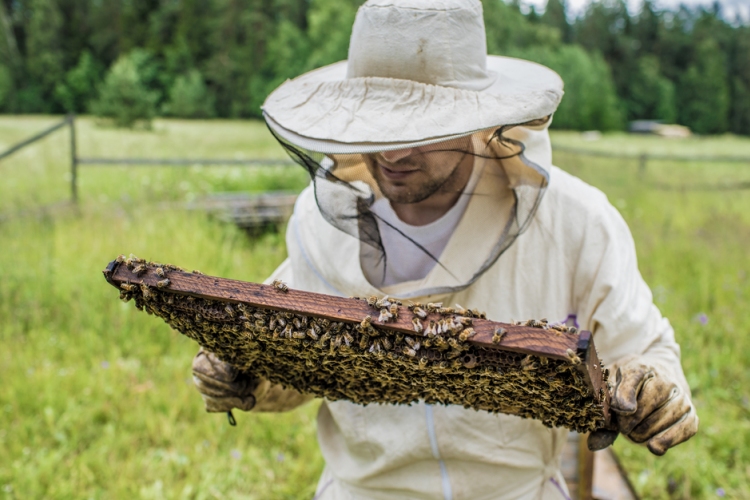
[418, 72]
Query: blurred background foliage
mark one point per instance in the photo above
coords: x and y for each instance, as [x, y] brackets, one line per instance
[135, 59]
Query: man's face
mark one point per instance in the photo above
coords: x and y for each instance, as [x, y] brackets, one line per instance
[413, 175]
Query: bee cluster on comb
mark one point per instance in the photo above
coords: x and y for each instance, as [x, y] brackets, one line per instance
[376, 350]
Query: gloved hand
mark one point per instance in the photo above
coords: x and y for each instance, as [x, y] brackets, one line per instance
[649, 407]
[222, 386]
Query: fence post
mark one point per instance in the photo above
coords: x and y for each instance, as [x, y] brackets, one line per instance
[73, 160]
[642, 159]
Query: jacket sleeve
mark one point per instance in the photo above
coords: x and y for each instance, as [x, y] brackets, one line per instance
[616, 304]
[273, 397]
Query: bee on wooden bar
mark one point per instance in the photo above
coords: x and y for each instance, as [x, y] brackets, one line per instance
[416, 324]
[372, 300]
[466, 334]
[384, 315]
[280, 285]
[393, 309]
[139, 269]
[128, 287]
[120, 259]
[573, 357]
[433, 307]
[419, 312]
[159, 272]
[384, 302]
[163, 283]
[498, 335]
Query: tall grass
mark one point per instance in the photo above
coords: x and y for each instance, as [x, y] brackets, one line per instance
[96, 399]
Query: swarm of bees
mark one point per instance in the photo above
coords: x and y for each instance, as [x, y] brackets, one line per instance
[366, 363]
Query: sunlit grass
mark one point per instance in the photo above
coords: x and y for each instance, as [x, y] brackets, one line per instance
[96, 398]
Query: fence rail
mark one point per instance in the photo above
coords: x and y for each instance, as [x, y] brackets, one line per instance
[651, 156]
[181, 162]
[76, 161]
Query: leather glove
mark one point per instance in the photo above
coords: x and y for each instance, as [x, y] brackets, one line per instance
[649, 407]
[222, 386]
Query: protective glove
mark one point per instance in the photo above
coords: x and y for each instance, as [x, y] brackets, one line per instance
[222, 386]
[649, 407]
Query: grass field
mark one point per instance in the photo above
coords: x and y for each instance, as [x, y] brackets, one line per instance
[96, 399]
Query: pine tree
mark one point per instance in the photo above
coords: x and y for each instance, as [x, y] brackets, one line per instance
[703, 91]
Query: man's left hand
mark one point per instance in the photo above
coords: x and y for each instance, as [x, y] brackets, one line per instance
[650, 407]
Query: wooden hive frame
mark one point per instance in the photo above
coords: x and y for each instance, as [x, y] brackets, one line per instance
[571, 376]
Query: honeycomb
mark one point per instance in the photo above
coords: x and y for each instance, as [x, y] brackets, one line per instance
[367, 363]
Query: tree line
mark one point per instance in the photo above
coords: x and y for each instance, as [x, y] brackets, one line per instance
[135, 59]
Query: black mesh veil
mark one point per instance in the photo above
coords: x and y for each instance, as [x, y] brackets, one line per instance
[490, 183]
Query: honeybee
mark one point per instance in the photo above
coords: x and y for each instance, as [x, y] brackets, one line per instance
[431, 328]
[128, 287]
[393, 309]
[387, 344]
[280, 285]
[412, 343]
[466, 334]
[324, 338]
[419, 312]
[297, 334]
[364, 341]
[410, 352]
[372, 300]
[384, 302]
[139, 269]
[287, 331]
[375, 347]
[163, 283]
[229, 310]
[159, 272]
[573, 357]
[146, 291]
[384, 315]
[417, 325]
[366, 323]
[195, 271]
[120, 259]
[281, 321]
[348, 339]
[434, 306]
[497, 337]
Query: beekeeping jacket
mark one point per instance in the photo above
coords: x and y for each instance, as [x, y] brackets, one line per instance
[535, 243]
[576, 260]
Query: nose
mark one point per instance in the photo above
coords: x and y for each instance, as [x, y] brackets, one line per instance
[396, 155]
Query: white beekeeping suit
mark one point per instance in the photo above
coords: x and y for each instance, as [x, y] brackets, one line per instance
[523, 240]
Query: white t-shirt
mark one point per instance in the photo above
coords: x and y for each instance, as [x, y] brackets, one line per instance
[405, 261]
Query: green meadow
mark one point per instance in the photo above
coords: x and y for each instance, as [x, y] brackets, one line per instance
[96, 399]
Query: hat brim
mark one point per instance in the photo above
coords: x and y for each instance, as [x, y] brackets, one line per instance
[326, 112]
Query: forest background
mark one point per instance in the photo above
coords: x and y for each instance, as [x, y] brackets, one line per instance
[135, 59]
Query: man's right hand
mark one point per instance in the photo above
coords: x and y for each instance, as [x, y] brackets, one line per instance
[222, 386]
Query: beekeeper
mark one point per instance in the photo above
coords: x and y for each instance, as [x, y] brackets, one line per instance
[432, 180]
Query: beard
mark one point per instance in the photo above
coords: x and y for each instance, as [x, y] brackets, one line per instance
[425, 181]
